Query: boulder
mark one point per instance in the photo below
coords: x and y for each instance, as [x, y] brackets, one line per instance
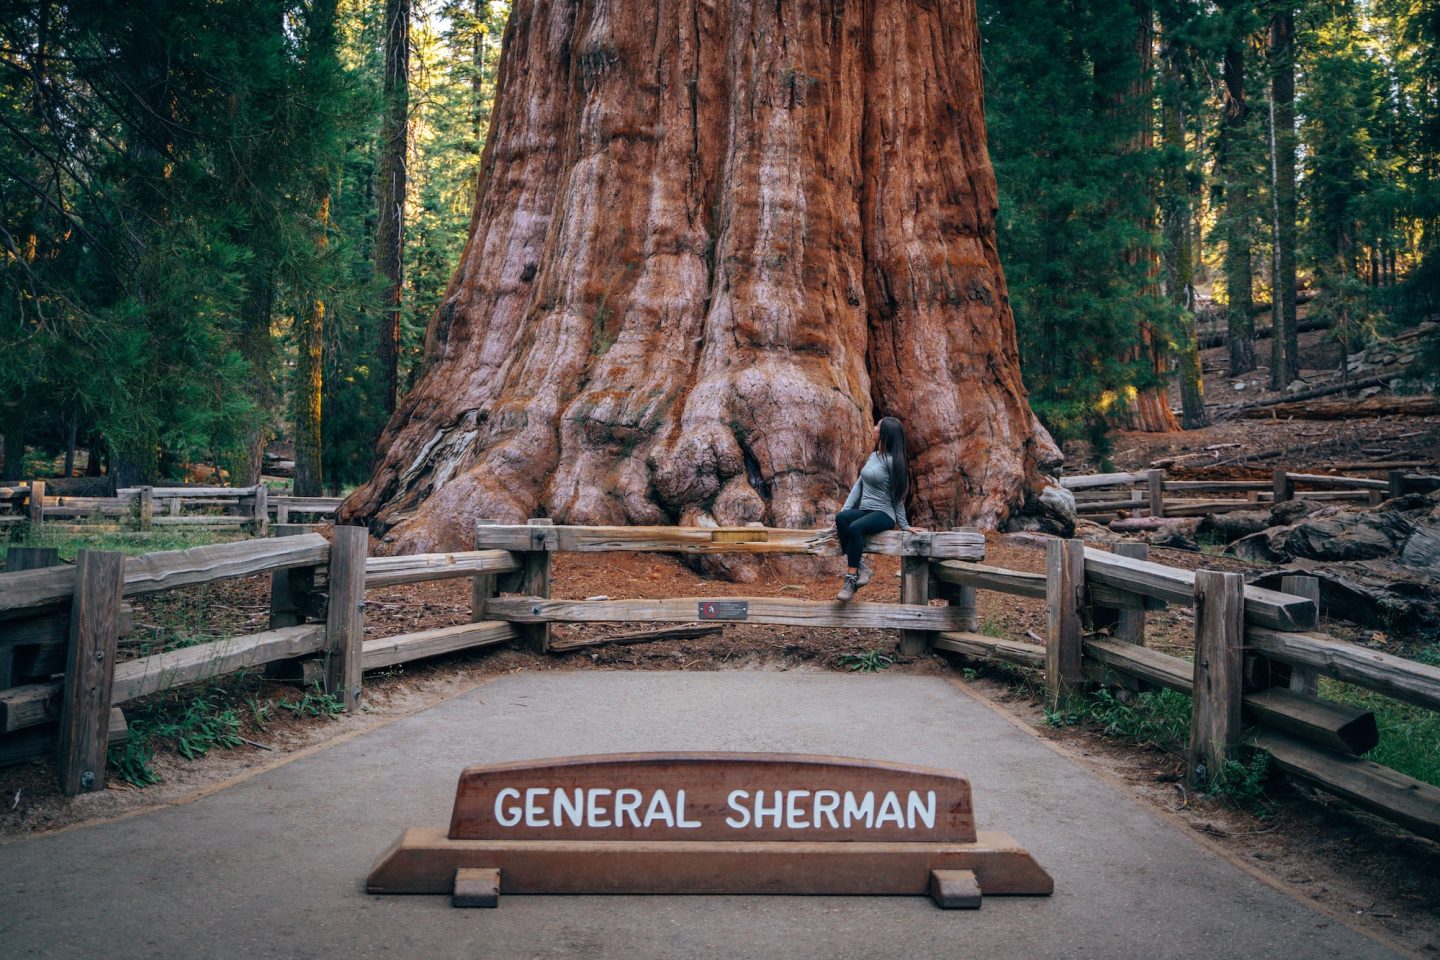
[1376, 593]
[1228, 527]
[1335, 536]
[1174, 539]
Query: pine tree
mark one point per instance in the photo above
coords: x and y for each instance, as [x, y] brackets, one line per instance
[391, 191]
[1076, 192]
[1284, 342]
[1236, 186]
[1180, 109]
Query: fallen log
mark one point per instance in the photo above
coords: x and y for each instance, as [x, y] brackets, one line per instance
[1348, 409]
[642, 636]
[1138, 524]
[1219, 338]
[1330, 389]
[1262, 455]
[1385, 465]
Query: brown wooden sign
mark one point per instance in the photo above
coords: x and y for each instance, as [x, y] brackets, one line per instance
[711, 796]
[709, 823]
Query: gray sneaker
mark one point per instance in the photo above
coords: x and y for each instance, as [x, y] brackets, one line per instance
[847, 589]
[866, 572]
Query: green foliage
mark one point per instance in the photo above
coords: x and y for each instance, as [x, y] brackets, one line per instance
[1242, 782]
[191, 726]
[870, 661]
[992, 627]
[1409, 735]
[1160, 719]
[313, 703]
[1076, 210]
[130, 543]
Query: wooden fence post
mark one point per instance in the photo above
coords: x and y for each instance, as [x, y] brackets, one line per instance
[1130, 622]
[482, 587]
[1064, 581]
[535, 582]
[17, 559]
[1396, 479]
[37, 505]
[260, 518]
[914, 588]
[147, 507]
[282, 512]
[1155, 487]
[1219, 674]
[293, 600]
[1284, 487]
[964, 599]
[345, 615]
[90, 671]
[1303, 679]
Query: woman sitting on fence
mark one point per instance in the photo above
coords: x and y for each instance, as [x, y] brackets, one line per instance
[876, 503]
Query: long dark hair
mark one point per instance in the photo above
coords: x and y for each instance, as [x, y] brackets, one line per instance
[892, 445]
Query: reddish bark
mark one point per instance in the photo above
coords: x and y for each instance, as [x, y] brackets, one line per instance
[711, 243]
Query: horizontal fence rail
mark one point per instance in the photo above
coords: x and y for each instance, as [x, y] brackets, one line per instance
[145, 508]
[1307, 737]
[1147, 493]
[965, 545]
[1260, 652]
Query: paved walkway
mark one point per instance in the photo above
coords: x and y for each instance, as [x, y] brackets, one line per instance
[274, 866]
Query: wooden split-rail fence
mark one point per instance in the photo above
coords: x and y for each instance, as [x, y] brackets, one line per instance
[1253, 678]
[1149, 494]
[146, 508]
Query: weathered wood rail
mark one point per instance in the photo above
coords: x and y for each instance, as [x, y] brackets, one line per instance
[52, 613]
[1148, 494]
[1256, 668]
[146, 508]
[1251, 682]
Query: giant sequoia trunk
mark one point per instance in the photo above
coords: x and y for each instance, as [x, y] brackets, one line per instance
[711, 243]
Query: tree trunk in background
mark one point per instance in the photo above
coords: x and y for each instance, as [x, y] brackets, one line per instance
[1236, 181]
[258, 348]
[711, 244]
[14, 464]
[390, 192]
[1176, 219]
[309, 390]
[1150, 409]
[1284, 344]
[72, 430]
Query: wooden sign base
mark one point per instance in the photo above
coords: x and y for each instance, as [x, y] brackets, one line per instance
[508, 832]
[425, 860]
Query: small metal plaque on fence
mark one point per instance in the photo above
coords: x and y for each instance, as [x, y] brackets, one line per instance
[724, 610]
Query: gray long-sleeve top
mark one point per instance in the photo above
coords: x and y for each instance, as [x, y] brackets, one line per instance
[873, 490]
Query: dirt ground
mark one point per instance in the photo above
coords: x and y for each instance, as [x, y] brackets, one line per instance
[1348, 863]
[1242, 448]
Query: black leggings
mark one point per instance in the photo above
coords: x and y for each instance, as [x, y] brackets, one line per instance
[853, 526]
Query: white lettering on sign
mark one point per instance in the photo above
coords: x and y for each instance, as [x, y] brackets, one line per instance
[507, 816]
[804, 811]
[790, 809]
[680, 820]
[592, 818]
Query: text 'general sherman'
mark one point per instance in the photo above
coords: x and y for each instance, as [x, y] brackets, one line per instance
[598, 808]
[712, 797]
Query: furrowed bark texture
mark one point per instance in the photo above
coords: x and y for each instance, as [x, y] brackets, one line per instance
[711, 243]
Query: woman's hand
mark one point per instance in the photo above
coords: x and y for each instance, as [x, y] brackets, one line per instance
[914, 529]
